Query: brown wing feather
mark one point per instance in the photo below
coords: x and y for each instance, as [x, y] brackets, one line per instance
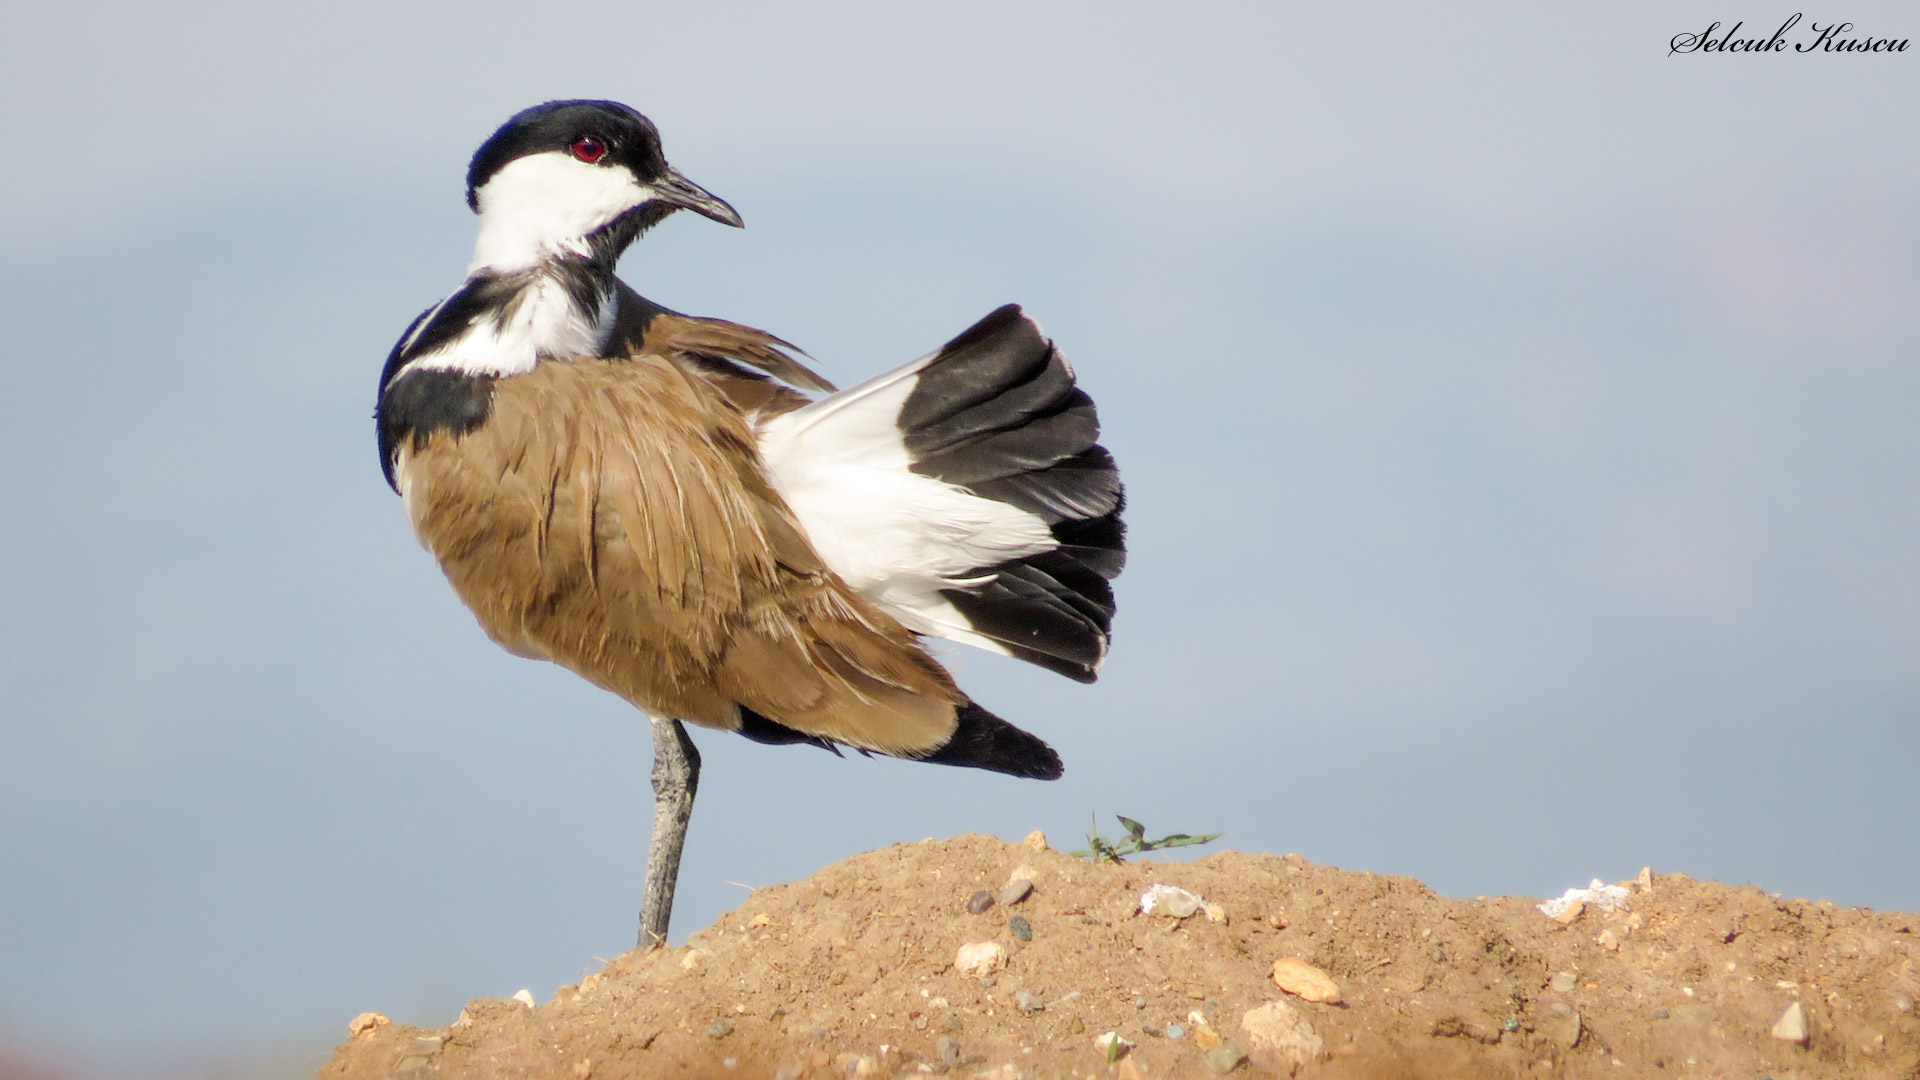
[702, 342]
[611, 516]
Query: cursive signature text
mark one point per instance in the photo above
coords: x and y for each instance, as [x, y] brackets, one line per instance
[1833, 37]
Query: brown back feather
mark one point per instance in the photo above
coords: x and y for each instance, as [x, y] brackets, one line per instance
[689, 337]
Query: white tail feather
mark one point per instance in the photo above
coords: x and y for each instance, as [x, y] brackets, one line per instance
[897, 537]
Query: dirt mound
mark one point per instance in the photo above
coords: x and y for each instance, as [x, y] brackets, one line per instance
[855, 972]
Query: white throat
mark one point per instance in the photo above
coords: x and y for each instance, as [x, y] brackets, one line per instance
[534, 212]
[542, 206]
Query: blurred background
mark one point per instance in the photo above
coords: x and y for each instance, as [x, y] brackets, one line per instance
[1518, 423]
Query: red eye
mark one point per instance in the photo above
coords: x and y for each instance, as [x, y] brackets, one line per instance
[589, 149]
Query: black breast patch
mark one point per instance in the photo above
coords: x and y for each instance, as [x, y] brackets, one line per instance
[421, 402]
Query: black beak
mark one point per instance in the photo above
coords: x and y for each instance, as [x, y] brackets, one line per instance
[676, 190]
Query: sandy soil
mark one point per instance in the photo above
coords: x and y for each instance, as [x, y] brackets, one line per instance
[854, 972]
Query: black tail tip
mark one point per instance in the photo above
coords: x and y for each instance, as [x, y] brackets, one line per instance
[1001, 320]
[982, 740]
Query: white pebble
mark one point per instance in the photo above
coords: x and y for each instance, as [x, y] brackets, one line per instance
[979, 959]
[1792, 1026]
[1169, 900]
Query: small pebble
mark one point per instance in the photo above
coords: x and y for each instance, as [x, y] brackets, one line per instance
[365, 1022]
[1224, 1058]
[1036, 840]
[979, 902]
[1175, 1031]
[946, 1051]
[1112, 1045]
[1169, 900]
[1278, 1032]
[1661, 1014]
[1297, 977]
[1015, 891]
[1027, 1002]
[979, 958]
[524, 997]
[1076, 1026]
[987, 981]
[1150, 1030]
[1020, 928]
[1563, 1027]
[1562, 982]
[1215, 913]
[720, 1029]
[1792, 1026]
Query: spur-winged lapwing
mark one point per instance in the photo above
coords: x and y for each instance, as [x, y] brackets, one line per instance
[679, 511]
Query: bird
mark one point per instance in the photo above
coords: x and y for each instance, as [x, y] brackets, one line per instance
[684, 513]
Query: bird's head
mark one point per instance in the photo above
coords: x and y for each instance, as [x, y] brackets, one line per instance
[577, 178]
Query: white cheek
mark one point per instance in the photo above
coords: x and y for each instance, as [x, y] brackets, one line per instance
[544, 205]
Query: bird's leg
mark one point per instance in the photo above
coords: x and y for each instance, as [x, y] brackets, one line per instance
[676, 776]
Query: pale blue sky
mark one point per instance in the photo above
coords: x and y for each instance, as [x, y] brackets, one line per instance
[1518, 422]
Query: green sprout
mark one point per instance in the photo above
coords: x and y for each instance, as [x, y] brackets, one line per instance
[1136, 841]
